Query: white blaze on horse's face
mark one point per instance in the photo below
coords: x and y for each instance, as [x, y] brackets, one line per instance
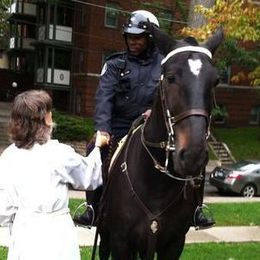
[195, 66]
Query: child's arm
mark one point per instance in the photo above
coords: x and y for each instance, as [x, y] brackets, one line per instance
[88, 175]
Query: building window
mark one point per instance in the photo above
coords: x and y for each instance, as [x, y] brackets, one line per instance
[255, 116]
[42, 15]
[64, 16]
[111, 15]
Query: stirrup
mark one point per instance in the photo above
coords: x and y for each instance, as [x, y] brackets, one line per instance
[209, 214]
[87, 206]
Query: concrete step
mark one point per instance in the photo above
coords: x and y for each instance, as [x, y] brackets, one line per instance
[221, 152]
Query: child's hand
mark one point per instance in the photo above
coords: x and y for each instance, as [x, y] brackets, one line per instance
[102, 139]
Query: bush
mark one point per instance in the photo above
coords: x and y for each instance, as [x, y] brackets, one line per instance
[71, 127]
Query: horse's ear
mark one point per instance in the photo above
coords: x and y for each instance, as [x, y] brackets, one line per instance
[213, 42]
[163, 41]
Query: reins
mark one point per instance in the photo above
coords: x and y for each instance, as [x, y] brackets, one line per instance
[169, 145]
[171, 121]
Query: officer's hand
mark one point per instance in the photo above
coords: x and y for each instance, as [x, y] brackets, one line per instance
[147, 113]
[102, 139]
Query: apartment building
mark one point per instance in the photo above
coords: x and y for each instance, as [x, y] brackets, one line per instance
[61, 45]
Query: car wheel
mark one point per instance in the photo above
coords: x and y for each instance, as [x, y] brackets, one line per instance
[249, 191]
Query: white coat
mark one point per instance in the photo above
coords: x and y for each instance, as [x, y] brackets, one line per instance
[34, 198]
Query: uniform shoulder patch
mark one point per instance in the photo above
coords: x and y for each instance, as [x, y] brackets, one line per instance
[104, 69]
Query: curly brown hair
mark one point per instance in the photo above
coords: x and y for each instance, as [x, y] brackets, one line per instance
[27, 124]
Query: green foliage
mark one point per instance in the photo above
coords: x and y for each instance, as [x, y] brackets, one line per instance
[240, 20]
[164, 15]
[219, 112]
[230, 52]
[4, 27]
[72, 128]
[254, 76]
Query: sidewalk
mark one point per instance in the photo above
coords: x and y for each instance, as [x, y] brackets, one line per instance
[215, 234]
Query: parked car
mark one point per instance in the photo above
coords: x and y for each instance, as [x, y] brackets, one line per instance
[242, 177]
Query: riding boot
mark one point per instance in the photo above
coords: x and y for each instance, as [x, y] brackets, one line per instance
[89, 216]
[202, 219]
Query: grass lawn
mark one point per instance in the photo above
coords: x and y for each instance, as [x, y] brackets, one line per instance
[236, 214]
[221, 251]
[243, 142]
[226, 214]
[202, 251]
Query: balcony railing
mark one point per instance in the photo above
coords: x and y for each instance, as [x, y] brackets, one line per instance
[23, 8]
[60, 77]
[21, 43]
[62, 33]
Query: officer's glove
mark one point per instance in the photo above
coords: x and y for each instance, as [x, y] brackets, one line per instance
[147, 113]
[102, 139]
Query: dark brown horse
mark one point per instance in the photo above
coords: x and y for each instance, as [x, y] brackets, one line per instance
[149, 199]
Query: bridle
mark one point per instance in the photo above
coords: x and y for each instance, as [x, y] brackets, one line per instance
[172, 120]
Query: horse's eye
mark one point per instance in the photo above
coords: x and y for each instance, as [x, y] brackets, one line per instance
[171, 78]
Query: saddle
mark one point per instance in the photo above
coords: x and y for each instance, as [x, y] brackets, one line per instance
[134, 127]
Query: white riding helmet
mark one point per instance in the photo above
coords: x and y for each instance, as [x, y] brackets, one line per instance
[135, 23]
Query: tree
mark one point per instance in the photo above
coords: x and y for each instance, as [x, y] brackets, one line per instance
[197, 19]
[4, 27]
[240, 20]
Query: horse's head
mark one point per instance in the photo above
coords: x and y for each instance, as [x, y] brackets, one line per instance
[186, 91]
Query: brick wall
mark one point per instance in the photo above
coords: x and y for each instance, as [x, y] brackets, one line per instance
[238, 101]
[96, 39]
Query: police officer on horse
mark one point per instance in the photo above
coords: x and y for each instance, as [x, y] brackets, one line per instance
[126, 91]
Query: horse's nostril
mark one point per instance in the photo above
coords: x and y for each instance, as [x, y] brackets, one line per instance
[182, 154]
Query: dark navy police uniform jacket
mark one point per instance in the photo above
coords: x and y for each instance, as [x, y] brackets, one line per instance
[126, 89]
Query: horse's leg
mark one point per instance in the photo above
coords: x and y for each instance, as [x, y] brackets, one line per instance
[104, 250]
[121, 250]
[104, 246]
[172, 252]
